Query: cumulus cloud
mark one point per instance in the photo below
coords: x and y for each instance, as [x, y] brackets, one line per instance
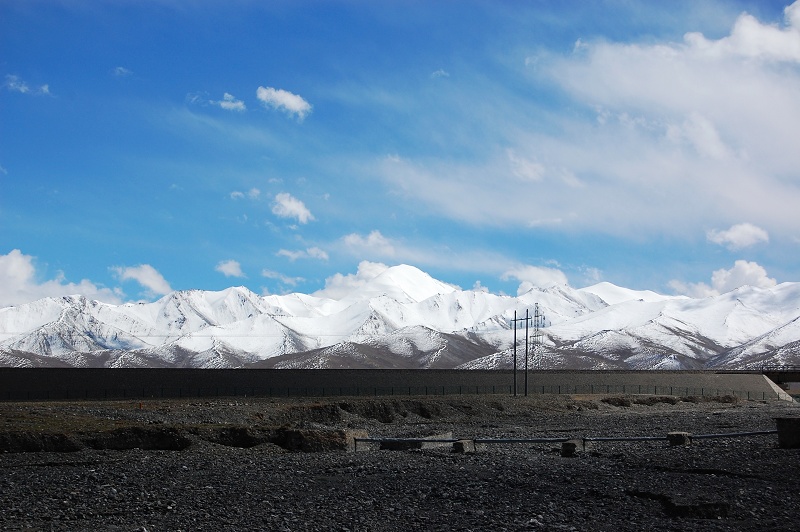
[374, 243]
[230, 103]
[738, 236]
[338, 286]
[534, 276]
[308, 253]
[282, 100]
[230, 268]
[287, 206]
[743, 273]
[19, 283]
[751, 39]
[145, 275]
[441, 73]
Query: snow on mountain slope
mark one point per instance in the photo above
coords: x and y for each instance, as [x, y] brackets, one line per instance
[774, 347]
[742, 314]
[692, 330]
[613, 294]
[22, 319]
[405, 318]
[461, 309]
[410, 348]
[561, 303]
[302, 305]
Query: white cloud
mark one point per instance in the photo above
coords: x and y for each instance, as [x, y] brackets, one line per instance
[478, 287]
[739, 236]
[338, 286]
[18, 283]
[525, 169]
[230, 103]
[15, 84]
[198, 98]
[659, 138]
[308, 253]
[285, 279]
[283, 100]
[376, 246]
[253, 194]
[287, 206]
[700, 133]
[734, 107]
[441, 73]
[374, 243]
[534, 276]
[121, 72]
[145, 275]
[743, 273]
[230, 268]
[752, 39]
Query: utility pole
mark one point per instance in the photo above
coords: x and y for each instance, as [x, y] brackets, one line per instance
[538, 325]
[514, 321]
[515, 353]
[527, 319]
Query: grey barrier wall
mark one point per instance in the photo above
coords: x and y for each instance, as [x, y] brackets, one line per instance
[107, 383]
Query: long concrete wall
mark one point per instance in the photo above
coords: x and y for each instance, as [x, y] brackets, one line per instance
[97, 383]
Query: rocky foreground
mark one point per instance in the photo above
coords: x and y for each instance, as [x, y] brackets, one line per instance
[240, 465]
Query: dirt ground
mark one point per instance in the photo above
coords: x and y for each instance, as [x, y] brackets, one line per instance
[270, 464]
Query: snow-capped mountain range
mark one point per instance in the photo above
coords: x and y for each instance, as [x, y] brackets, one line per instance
[403, 318]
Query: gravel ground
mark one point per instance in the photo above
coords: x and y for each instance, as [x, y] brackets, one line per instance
[254, 483]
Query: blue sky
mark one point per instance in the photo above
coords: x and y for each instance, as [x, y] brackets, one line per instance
[149, 146]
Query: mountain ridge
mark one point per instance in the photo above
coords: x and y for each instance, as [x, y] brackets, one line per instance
[403, 317]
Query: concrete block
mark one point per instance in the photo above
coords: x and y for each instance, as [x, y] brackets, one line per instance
[679, 438]
[464, 446]
[577, 445]
[788, 432]
[569, 448]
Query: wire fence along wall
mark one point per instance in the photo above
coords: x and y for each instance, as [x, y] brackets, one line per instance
[140, 383]
[164, 392]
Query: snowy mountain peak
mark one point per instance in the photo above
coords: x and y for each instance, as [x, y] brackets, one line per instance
[403, 283]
